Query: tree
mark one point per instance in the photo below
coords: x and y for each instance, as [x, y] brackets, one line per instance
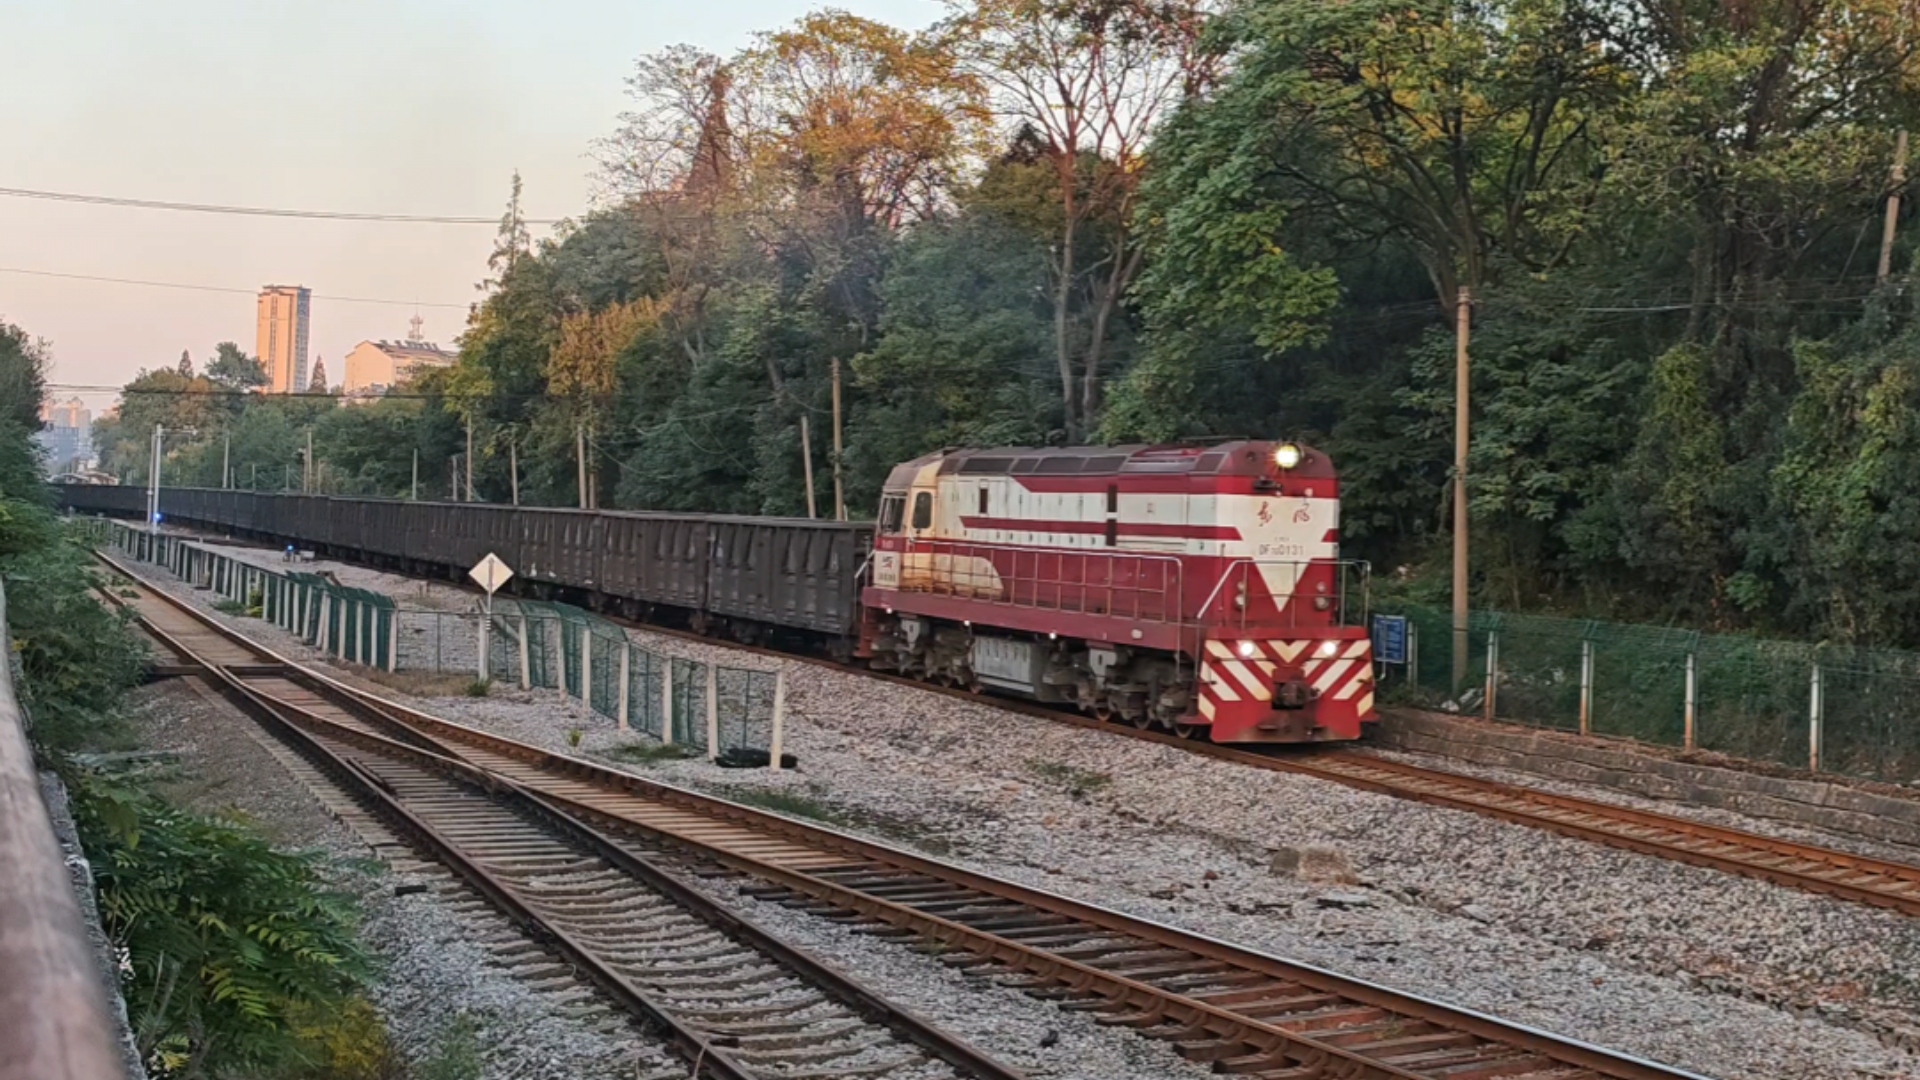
[1087, 83]
[232, 369]
[186, 364]
[317, 378]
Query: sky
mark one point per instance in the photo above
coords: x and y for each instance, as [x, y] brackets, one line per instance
[395, 106]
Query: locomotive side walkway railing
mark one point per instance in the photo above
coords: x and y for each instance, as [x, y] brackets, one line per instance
[53, 1010]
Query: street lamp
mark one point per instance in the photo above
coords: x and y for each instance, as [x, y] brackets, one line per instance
[160, 434]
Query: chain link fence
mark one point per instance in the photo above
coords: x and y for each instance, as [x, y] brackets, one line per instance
[1849, 710]
[720, 711]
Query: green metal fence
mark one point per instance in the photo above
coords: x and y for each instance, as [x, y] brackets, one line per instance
[1824, 707]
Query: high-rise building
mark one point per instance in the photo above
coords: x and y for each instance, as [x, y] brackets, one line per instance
[280, 336]
[68, 436]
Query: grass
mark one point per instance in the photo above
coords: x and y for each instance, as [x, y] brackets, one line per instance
[644, 753]
[574, 736]
[479, 687]
[788, 802]
[232, 607]
[455, 1055]
[416, 683]
[1079, 783]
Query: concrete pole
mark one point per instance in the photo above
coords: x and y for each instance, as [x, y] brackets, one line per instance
[806, 462]
[839, 496]
[1462, 327]
[1896, 181]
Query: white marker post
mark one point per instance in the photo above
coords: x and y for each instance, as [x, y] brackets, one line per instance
[490, 573]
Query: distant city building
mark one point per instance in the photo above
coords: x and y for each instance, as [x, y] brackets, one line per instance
[374, 367]
[280, 335]
[68, 436]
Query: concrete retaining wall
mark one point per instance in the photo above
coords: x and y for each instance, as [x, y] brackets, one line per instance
[1870, 811]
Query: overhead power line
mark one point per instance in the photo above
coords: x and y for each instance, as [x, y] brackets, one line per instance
[259, 211]
[217, 288]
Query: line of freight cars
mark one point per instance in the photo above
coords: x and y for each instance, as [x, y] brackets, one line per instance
[752, 578]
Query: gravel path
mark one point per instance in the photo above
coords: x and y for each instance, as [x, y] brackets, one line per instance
[1722, 975]
[437, 976]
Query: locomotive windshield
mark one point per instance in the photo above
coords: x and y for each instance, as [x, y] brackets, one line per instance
[890, 508]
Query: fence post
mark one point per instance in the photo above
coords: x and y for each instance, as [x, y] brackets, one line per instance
[1686, 735]
[1493, 668]
[560, 656]
[586, 665]
[393, 638]
[666, 701]
[779, 719]
[713, 712]
[482, 664]
[1813, 725]
[526, 656]
[1586, 686]
[1413, 653]
[367, 655]
[626, 675]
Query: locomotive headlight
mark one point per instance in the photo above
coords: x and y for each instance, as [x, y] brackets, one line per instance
[1246, 650]
[1328, 648]
[1286, 456]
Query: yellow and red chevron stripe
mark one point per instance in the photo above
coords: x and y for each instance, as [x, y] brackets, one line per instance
[1235, 675]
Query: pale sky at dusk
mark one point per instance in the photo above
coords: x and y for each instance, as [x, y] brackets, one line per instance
[397, 106]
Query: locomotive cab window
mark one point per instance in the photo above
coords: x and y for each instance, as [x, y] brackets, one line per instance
[890, 508]
[983, 501]
[923, 510]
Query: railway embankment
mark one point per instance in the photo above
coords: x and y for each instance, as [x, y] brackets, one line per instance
[1877, 812]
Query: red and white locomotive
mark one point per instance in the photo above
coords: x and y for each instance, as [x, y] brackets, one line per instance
[1194, 588]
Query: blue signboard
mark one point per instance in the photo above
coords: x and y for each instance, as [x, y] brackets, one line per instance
[1390, 639]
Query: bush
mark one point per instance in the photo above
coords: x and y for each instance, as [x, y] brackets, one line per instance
[231, 945]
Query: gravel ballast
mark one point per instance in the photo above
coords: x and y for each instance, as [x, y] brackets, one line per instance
[1722, 975]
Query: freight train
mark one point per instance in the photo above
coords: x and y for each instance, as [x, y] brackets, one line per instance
[1194, 588]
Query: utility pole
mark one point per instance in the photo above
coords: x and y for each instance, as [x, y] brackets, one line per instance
[413, 493]
[226, 461]
[1463, 321]
[253, 478]
[306, 468]
[1896, 181]
[469, 461]
[580, 460]
[453, 478]
[839, 496]
[513, 467]
[806, 462]
[153, 481]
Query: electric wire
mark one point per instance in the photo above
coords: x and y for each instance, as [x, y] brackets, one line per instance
[260, 211]
[190, 287]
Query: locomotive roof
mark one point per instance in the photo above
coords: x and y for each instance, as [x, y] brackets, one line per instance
[1237, 458]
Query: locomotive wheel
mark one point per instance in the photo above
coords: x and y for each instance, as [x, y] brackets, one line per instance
[1102, 711]
[1187, 731]
[1142, 720]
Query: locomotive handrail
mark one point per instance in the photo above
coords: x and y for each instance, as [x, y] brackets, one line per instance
[1170, 588]
[53, 1013]
[1244, 564]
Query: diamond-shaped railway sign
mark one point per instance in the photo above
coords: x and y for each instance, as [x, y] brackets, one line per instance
[490, 573]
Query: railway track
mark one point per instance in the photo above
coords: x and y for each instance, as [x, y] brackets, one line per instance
[731, 998]
[1245, 1013]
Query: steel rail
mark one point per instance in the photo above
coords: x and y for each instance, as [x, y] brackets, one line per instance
[1202, 1028]
[318, 738]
